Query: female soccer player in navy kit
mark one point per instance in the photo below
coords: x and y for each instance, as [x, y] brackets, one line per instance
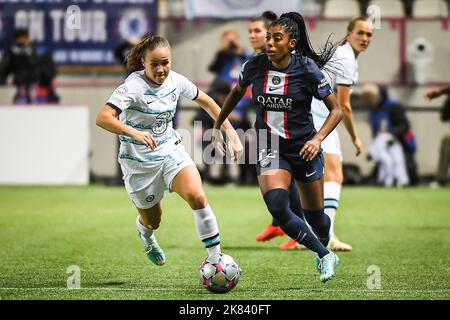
[257, 32]
[283, 87]
[151, 155]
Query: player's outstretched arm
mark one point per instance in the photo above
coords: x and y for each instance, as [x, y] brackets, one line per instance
[344, 100]
[435, 93]
[107, 119]
[210, 106]
[312, 147]
[230, 103]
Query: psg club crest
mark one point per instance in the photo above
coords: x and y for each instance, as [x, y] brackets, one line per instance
[276, 80]
[264, 162]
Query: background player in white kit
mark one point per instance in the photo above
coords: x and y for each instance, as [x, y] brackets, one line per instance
[151, 156]
[359, 36]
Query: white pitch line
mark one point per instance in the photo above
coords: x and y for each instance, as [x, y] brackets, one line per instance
[245, 290]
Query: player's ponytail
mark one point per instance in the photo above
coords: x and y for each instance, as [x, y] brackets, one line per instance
[294, 24]
[137, 53]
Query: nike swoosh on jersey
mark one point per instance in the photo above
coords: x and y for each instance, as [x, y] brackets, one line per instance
[310, 174]
[148, 102]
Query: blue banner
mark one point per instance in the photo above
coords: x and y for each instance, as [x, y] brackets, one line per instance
[78, 32]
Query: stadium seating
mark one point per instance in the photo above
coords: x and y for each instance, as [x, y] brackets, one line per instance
[429, 8]
[341, 9]
[389, 8]
[311, 8]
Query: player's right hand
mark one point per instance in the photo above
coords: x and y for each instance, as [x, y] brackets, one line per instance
[145, 138]
[217, 141]
[431, 94]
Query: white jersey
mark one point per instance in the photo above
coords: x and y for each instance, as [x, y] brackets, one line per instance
[344, 61]
[149, 107]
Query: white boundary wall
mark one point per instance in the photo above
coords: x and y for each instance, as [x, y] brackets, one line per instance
[44, 145]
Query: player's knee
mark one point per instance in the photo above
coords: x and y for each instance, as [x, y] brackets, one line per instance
[339, 178]
[196, 199]
[335, 176]
[276, 201]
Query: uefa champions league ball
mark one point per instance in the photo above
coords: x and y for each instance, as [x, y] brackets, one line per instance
[220, 273]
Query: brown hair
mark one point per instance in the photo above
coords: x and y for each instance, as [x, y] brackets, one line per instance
[267, 17]
[351, 25]
[137, 53]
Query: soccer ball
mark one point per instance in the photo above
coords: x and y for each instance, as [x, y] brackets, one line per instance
[220, 273]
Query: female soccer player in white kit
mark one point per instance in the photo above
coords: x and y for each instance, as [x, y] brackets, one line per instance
[359, 36]
[151, 156]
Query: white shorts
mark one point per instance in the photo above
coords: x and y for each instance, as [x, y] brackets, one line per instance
[147, 189]
[332, 144]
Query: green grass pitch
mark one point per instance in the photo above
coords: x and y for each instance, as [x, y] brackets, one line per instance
[44, 230]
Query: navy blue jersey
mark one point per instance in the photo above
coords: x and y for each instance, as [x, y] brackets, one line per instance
[283, 96]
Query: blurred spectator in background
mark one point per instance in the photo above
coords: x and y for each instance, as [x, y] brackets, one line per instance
[46, 74]
[20, 60]
[33, 70]
[388, 154]
[228, 60]
[444, 150]
[226, 66]
[388, 116]
[218, 91]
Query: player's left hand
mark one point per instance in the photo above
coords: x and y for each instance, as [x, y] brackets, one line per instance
[358, 145]
[310, 149]
[235, 147]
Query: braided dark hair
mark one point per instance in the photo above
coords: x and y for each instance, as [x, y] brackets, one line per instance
[133, 58]
[294, 24]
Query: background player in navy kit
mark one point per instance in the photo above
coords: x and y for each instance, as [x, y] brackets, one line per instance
[283, 87]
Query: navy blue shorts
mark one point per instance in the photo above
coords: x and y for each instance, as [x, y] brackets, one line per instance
[301, 170]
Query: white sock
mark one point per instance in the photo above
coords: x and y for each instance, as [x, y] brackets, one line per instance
[332, 193]
[146, 234]
[208, 232]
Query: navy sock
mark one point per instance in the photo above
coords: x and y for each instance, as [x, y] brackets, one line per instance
[294, 201]
[275, 222]
[294, 204]
[320, 223]
[277, 201]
